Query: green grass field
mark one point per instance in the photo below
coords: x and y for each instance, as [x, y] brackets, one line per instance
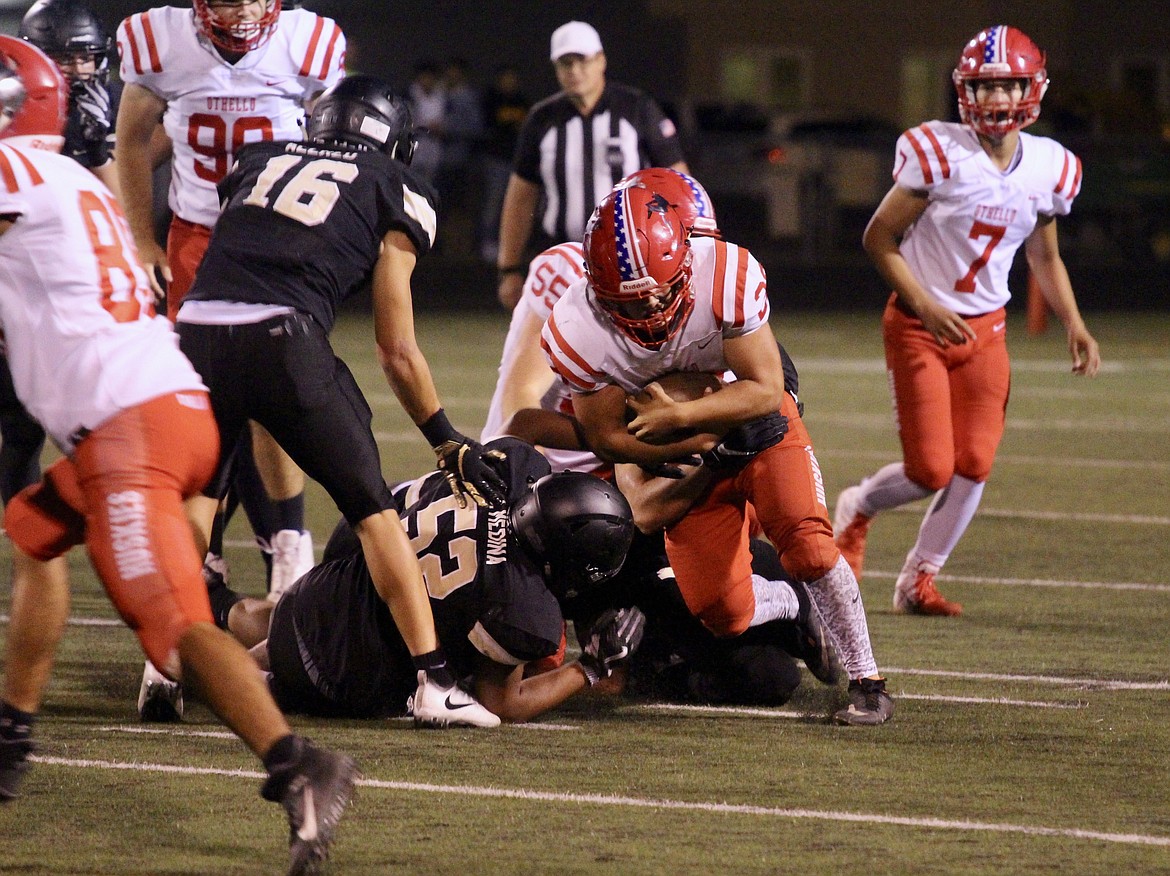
[1031, 736]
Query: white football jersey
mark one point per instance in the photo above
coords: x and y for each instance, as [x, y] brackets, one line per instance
[731, 300]
[77, 312]
[213, 107]
[962, 247]
[549, 275]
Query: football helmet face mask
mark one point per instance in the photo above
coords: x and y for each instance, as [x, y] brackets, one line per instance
[1000, 53]
[364, 112]
[638, 261]
[576, 527]
[66, 30]
[685, 193]
[236, 36]
[34, 98]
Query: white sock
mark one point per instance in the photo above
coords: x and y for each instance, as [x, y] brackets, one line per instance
[838, 599]
[947, 519]
[775, 600]
[888, 487]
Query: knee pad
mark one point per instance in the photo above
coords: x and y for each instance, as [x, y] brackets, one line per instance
[45, 520]
[810, 556]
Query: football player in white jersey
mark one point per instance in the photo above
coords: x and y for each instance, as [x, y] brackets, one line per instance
[965, 197]
[217, 76]
[654, 301]
[78, 314]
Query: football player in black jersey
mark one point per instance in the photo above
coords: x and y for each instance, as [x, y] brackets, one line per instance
[496, 578]
[303, 226]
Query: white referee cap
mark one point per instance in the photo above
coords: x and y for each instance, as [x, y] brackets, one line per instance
[575, 38]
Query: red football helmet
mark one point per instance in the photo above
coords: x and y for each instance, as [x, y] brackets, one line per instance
[685, 194]
[638, 260]
[34, 98]
[1000, 52]
[241, 37]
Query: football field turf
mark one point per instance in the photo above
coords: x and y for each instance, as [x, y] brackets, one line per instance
[1032, 733]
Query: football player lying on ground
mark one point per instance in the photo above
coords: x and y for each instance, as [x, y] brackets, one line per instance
[680, 659]
[494, 576]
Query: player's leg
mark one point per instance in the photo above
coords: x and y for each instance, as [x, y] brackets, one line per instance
[979, 385]
[271, 487]
[918, 386]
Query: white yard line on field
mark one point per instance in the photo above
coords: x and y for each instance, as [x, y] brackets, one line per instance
[1016, 459]
[609, 801]
[1036, 582]
[1084, 683]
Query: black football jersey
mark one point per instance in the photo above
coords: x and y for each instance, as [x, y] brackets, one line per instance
[302, 225]
[486, 595]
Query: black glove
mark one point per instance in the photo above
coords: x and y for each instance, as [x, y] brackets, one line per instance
[611, 641]
[672, 469]
[470, 470]
[741, 444]
[93, 106]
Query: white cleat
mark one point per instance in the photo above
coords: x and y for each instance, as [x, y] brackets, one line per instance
[292, 557]
[160, 700]
[435, 706]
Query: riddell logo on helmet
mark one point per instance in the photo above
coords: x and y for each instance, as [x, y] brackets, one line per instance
[639, 285]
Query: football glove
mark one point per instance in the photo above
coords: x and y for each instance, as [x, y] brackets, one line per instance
[470, 470]
[673, 468]
[93, 105]
[742, 443]
[610, 642]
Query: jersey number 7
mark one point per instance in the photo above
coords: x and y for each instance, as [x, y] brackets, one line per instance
[978, 230]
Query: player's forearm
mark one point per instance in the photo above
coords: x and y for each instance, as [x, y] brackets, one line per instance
[1056, 287]
[516, 217]
[137, 195]
[521, 699]
[409, 375]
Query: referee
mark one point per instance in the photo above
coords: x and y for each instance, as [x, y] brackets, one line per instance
[573, 148]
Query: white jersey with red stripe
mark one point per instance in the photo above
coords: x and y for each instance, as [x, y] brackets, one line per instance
[213, 107]
[83, 340]
[549, 275]
[962, 247]
[587, 350]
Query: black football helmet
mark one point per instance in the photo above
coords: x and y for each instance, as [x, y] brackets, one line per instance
[363, 111]
[63, 29]
[576, 527]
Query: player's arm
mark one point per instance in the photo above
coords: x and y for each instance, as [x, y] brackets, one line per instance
[758, 391]
[402, 361]
[527, 376]
[108, 174]
[139, 115]
[505, 691]
[602, 418]
[657, 502]
[467, 466]
[1042, 250]
[543, 428]
[516, 218]
[899, 209]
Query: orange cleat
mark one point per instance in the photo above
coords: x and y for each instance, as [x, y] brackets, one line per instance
[915, 592]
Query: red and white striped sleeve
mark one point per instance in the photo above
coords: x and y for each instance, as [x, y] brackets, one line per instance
[319, 49]
[567, 358]
[138, 46]
[920, 159]
[1068, 181]
[739, 290]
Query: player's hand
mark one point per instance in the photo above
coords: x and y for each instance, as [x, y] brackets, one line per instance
[158, 269]
[656, 415]
[1086, 355]
[946, 326]
[509, 289]
[610, 642]
[672, 469]
[743, 443]
[472, 471]
[93, 105]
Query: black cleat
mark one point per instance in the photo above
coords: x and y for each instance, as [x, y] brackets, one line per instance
[869, 704]
[13, 765]
[314, 791]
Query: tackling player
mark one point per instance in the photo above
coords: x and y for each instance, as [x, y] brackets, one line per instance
[965, 197]
[348, 210]
[79, 318]
[654, 301]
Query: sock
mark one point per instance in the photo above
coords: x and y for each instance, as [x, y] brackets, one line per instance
[947, 519]
[838, 599]
[434, 664]
[887, 488]
[775, 600]
[222, 598]
[15, 724]
[284, 753]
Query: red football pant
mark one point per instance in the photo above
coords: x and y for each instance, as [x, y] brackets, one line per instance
[186, 244]
[709, 548]
[950, 402]
[122, 494]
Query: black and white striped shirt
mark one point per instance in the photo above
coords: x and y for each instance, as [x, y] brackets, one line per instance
[577, 159]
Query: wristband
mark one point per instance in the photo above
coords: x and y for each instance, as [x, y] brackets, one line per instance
[438, 429]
